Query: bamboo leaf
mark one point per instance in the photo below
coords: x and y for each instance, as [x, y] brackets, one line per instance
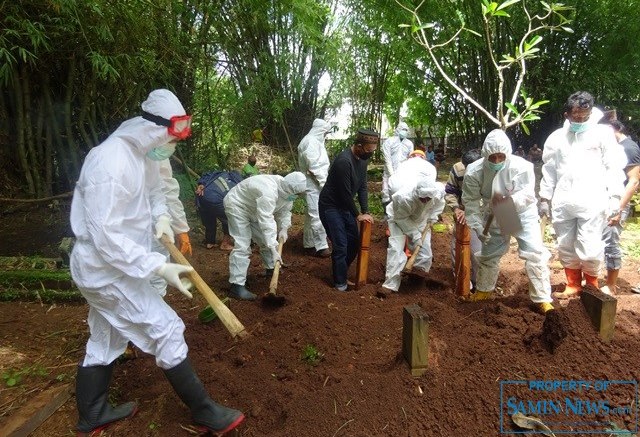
[507, 4]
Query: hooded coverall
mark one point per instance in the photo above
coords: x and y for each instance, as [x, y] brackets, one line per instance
[171, 190]
[411, 171]
[118, 197]
[394, 151]
[582, 175]
[259, 208]
[409, 216]
[516, 179]
[314, 163]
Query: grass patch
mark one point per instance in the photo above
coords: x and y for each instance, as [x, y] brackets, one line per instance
[311, 355]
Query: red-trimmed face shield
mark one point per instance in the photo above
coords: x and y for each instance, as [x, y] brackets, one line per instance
[178, 126]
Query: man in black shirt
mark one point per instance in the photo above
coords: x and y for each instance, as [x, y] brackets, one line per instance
[338, 213]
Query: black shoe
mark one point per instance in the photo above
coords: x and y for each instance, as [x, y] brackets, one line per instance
[205, 412]
[323, 253]
[241, 292]
[94, 411]
[268, 273]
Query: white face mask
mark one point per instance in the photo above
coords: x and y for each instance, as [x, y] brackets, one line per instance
[578, 127]
[162, 152]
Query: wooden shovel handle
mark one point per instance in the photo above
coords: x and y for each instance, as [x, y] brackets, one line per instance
[229, 320]
[487, 225]
[273, 285]
[414, 255]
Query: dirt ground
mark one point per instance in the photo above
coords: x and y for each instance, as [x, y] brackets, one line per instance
[360, 385]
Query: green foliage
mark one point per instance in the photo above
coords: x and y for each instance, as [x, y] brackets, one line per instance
[311, 355]
[13, 377]
[375, 205]
[299, 205]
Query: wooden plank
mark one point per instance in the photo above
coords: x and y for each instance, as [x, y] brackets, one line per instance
[362, 267]
[601, 309]
[415, 338]
[28, 418]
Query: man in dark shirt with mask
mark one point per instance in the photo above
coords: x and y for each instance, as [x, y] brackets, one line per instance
[338, 213]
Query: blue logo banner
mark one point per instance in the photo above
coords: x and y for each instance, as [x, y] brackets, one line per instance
[571, 406]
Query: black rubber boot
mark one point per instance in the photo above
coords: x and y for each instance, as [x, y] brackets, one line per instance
[241, 292]
[94, 411]
[204, 411]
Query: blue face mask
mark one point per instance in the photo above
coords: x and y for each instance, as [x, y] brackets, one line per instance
[292, 197]
[496, 166]
[162, 152]
[578, 127]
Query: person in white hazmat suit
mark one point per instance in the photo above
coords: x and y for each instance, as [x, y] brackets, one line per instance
[259, 208]
[179, 225]
[413, 208]
[582, 184]
[313, 161]
[394, 150]
[488, 181]
[118, 209]
[413, 169]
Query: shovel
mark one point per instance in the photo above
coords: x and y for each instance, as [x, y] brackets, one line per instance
[409, 265]
[271, 299]
[229, 320]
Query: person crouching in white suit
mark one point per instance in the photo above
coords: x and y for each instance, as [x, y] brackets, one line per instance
[412, 209]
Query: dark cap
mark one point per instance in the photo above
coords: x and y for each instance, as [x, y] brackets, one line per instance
[367, 136]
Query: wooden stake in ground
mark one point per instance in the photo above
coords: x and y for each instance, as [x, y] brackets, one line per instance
[362, 267]
[229, 320]
[463, 260]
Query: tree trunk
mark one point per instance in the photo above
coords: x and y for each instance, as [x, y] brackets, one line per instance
[20, 137]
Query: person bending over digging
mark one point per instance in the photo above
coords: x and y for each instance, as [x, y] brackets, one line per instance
[413, 209]
[259, 208]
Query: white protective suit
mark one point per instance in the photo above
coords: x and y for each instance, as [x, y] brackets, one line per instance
[515, 179]
[314, 163]
[260, 208]
[583, 176]
[408, 215]
[411, 171]
[394, 151]
[171, 190]
[117, 199]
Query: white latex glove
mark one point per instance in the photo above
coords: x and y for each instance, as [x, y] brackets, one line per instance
[276, 256]
[614, 206]
[170, 272]
[282, 235]
[163, 226]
